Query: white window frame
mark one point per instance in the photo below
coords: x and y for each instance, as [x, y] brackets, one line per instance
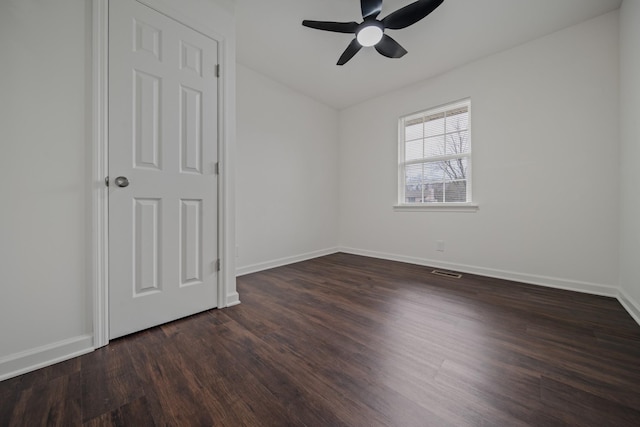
[469, 205]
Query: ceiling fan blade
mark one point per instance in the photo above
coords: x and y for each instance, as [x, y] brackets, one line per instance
[353, 48]
[410, 14]
[337, 27]
[370, 8]
[390, 48]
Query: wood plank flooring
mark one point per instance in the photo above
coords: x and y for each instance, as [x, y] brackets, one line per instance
[345, 340]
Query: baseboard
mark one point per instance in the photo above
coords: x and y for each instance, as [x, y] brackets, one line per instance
[254, 268]
[30, 360]
[629, 304]
[233, 299]
[551, 282]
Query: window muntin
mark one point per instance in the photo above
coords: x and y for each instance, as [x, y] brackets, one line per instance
[435, 156]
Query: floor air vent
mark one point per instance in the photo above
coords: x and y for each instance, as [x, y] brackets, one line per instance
[447, 274]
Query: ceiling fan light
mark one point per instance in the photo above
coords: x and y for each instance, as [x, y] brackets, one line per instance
[369, 35]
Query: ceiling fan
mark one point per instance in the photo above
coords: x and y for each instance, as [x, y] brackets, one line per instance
[370, 32]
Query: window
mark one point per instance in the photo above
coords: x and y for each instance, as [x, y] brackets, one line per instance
[435, 157]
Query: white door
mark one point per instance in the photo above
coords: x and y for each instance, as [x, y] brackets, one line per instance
[163, 143]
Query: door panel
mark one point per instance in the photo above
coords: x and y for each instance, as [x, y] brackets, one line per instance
[163, 99]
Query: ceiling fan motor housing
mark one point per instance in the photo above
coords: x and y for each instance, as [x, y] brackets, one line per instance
[369, 33]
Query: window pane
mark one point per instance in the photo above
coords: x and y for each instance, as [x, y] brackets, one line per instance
[433, 193]
[458, 142]
[458, 119]
[433, 172]
[413, 130]
[413, 184]
[413, 150]
[456, 192]
[434, 146]
[413, 174]
[455, 169]
[434, 125]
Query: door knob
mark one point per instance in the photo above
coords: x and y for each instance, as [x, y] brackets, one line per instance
[122, 181]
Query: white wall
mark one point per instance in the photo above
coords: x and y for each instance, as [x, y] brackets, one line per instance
[630, 154]
[287, 174]
[43, 151]
[545, 152]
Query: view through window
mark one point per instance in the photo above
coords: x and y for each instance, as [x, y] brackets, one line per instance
[435, 155]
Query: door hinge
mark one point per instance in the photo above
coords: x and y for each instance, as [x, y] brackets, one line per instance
[217, 70]
[218, 264]
[216, 168]
[106, 181]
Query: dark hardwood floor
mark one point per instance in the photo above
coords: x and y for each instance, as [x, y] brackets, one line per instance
[354, 341]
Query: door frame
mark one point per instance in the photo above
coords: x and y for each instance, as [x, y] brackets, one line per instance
[99, 260]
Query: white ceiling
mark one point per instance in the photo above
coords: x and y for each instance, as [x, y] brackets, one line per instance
[272, 41]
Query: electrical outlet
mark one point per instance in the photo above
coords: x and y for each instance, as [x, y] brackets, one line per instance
[440, 245]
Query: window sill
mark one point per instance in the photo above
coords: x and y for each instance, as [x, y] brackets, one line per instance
[437, 207]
